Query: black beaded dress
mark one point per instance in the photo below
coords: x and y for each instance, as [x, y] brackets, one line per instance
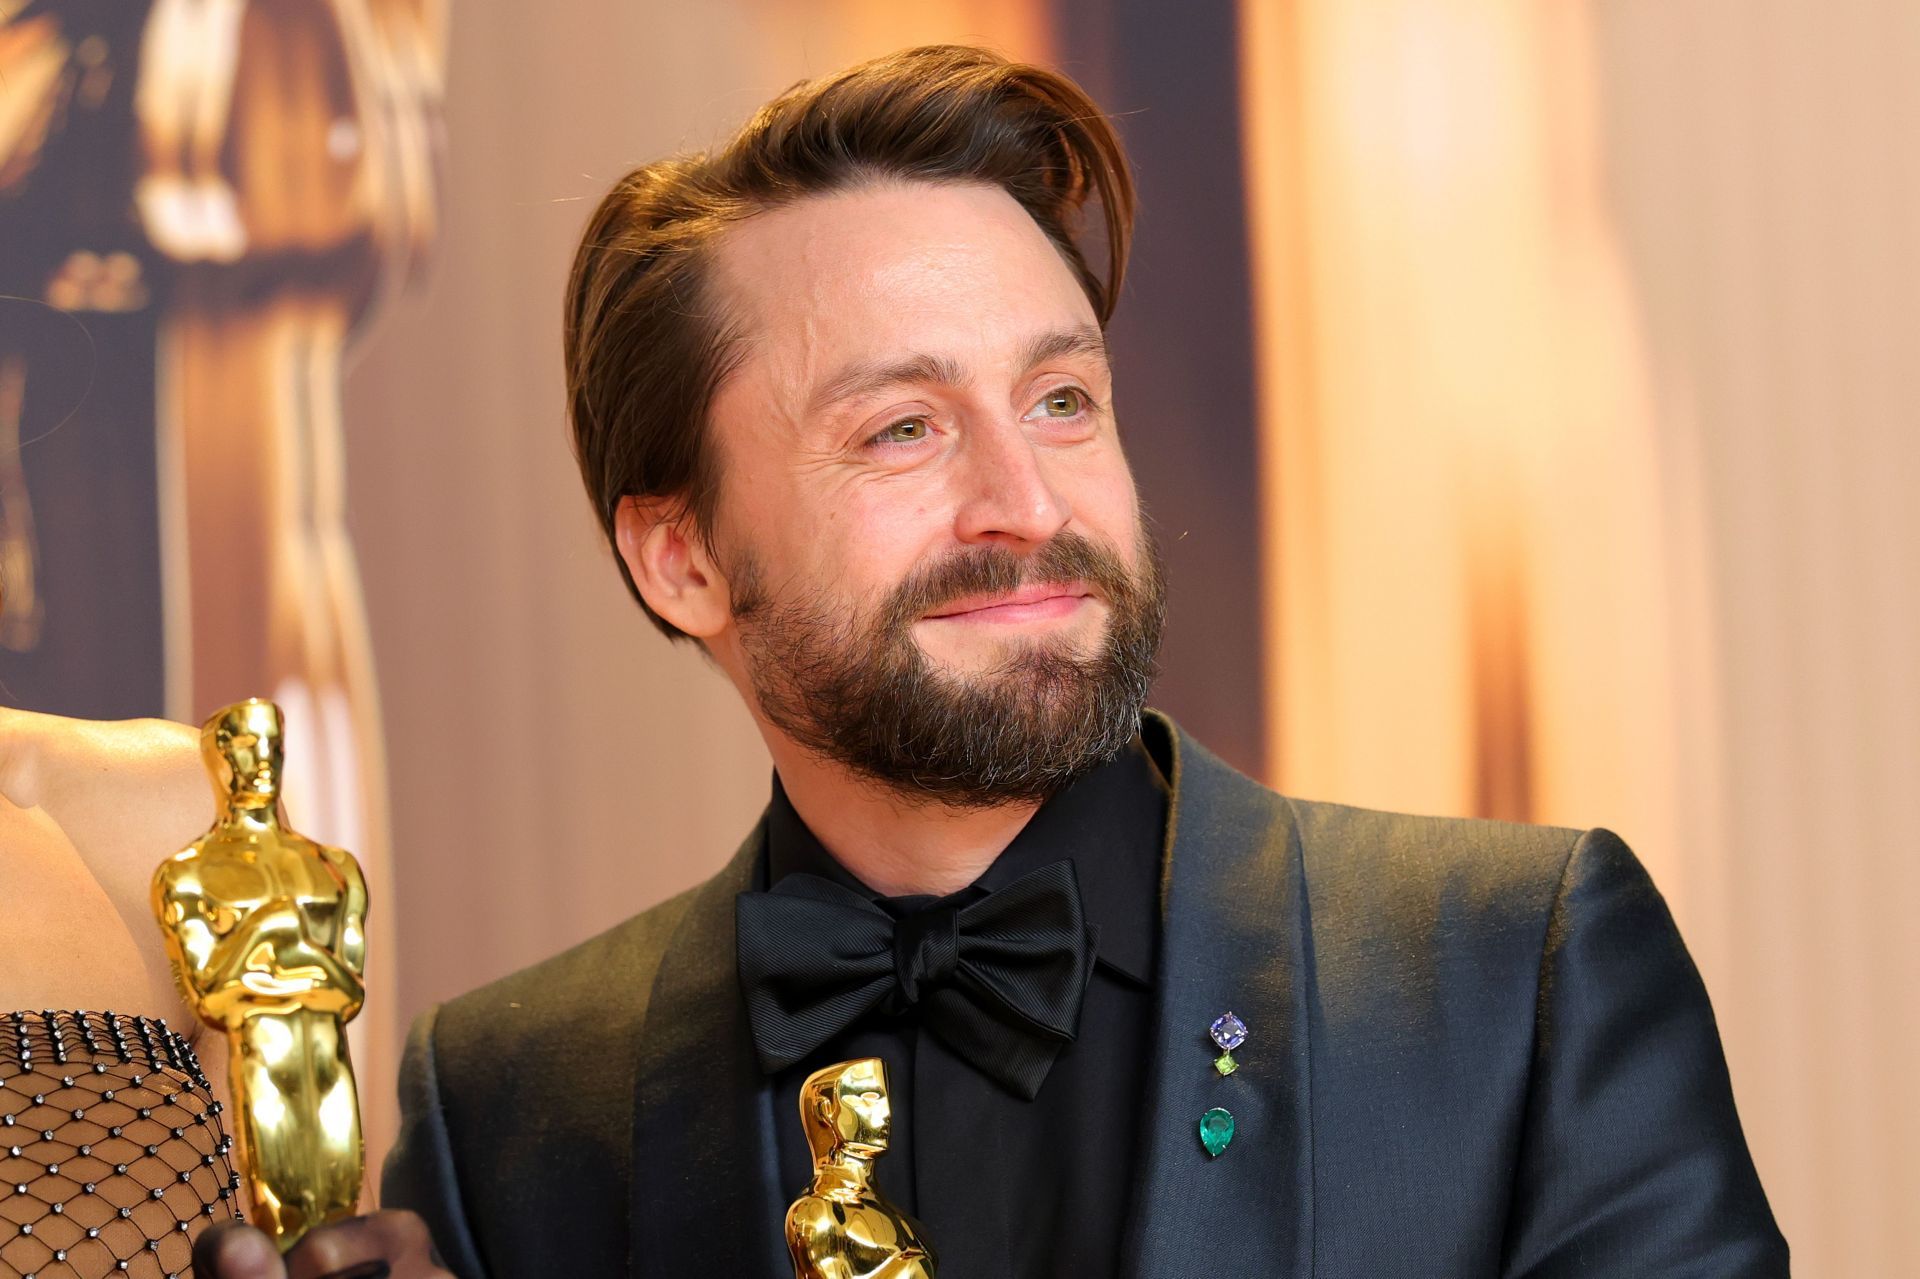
[112, 1153]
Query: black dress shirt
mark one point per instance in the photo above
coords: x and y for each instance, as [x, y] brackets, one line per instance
[1007, 1187]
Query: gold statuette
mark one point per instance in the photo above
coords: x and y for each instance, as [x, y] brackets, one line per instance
[843, 1227]
[266, 930]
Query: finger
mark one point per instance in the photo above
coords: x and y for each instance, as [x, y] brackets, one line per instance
[372, 1247]
[365, 1270]
[235, 1250]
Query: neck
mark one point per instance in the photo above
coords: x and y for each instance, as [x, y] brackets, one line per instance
[251, 816]
[892, 846]
[842, 1170]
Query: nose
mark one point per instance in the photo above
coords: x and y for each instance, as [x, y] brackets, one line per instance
[1010, 496]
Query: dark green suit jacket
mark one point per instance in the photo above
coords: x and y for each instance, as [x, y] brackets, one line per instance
[1480, 1049]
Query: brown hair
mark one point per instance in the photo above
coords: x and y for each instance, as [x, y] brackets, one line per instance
[645, 352]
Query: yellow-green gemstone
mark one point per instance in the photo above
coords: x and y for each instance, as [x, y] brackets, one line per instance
[1225, 1064]
[1216, 1130]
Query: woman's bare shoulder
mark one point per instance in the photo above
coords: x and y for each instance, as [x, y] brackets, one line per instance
[88, 810]
[127, 792]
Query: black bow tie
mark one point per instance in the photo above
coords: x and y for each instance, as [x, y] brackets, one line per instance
[999, 978]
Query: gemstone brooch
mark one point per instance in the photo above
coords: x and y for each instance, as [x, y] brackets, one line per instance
[1228, 1032]
[1216, 1130]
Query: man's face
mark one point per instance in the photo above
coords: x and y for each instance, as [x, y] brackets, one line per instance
[937, 568]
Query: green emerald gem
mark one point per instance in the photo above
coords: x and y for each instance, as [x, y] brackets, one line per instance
[1216, 1130]
[1225, 1064]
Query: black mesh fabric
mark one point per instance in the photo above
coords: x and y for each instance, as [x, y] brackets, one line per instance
[112, 1153]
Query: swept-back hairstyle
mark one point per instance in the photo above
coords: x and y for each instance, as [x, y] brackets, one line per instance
[645, 352]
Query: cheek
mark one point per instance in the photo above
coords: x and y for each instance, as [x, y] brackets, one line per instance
[1105, 502]
[875, 535]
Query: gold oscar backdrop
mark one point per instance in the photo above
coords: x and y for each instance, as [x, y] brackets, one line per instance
[276, 168]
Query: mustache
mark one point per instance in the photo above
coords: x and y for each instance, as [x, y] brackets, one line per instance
[994, 570]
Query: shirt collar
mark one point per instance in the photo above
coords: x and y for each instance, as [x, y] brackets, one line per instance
[1111, 824]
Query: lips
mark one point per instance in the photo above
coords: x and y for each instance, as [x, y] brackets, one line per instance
[1039, 600]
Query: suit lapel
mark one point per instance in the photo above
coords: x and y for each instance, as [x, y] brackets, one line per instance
[704, 1198]
[1235, 937]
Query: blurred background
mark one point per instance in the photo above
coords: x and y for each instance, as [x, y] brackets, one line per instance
[1521, 392]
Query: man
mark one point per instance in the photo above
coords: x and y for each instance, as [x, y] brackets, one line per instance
[841, 401]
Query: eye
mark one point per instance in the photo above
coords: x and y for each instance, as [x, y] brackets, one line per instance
[1063, 402]
[908, 430]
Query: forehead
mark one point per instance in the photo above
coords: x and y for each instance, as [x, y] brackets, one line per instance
[956, 269]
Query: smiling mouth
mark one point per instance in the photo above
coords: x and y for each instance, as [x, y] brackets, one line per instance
[1041, 601]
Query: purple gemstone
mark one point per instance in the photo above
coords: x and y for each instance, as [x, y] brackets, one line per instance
[1228, 1031]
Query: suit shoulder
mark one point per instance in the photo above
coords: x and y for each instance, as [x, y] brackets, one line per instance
[1472, 890]
[598, 986]
[1342, 842]
[535, 1073]
[1371, 873]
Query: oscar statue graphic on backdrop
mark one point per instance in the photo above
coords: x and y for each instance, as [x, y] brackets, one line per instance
[266, 929]
[843, 1227]
[205, 205]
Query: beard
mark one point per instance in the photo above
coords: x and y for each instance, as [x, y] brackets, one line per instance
[856, 688]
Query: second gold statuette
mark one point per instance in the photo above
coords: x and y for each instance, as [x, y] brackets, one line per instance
[843, 1227]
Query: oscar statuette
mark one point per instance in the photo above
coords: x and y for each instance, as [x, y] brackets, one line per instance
[843, 1227]
[266, 931]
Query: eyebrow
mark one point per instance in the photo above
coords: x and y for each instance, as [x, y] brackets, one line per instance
[1082, 339]
[866, 377]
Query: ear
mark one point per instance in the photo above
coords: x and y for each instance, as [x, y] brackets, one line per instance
[671, 566]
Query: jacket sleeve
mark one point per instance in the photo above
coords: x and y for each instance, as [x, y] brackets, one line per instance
[419, 1172]
[1632, 1161]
